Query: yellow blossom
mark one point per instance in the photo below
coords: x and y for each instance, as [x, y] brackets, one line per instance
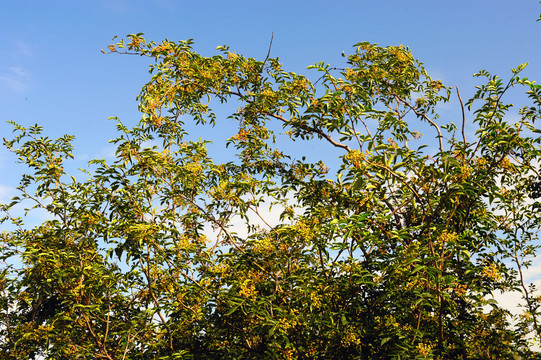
[247, 289]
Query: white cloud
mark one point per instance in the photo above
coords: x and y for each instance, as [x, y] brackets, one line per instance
[6, 193]
[513, 300]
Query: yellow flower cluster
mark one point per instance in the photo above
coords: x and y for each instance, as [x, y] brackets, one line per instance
[242, 135]
[354, 157]
[232, 56]
[460, 289]
[507, 165]
[183, 243]
[247, 289]
[267, 92]
[264, 246]
[286, 324]
[164, 47]
[480, 162]
[136, 43]
[222, 269]
[194, 168]
[436, 85]
[424, 349]
[350, 338]
[315, 298]
[447, 237]
[491, 272]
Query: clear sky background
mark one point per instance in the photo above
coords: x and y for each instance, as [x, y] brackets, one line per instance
[52, 71]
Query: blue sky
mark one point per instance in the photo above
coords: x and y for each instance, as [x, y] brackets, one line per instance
[52, 71]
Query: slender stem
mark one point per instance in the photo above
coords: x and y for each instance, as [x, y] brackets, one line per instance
[463, 114]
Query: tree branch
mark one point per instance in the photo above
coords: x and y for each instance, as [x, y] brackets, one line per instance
[313, 130]
[463, 114]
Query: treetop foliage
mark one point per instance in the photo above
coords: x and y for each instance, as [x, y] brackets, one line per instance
[393, 251]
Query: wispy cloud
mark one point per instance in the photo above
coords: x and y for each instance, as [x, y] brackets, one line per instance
[22, 49]
[15, 79]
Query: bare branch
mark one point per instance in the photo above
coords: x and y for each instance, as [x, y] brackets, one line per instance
[270, 47]
[463, 114]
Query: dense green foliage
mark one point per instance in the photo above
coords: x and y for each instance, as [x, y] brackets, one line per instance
[393, 251]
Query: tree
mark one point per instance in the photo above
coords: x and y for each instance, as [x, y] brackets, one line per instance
[393, 251]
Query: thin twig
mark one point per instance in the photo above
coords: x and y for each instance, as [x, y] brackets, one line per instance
[270, 47]
[463, 114]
